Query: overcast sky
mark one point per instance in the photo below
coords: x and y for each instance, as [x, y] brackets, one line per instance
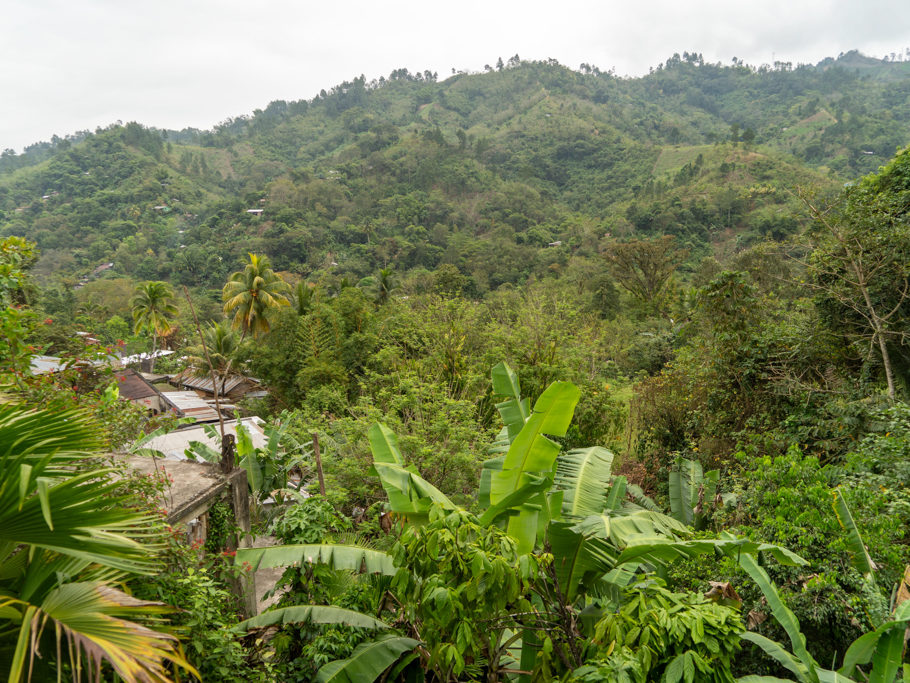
[71, 65]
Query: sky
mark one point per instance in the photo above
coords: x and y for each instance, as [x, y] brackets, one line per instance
[67, 66]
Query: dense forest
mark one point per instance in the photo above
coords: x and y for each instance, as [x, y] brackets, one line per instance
[582, 378]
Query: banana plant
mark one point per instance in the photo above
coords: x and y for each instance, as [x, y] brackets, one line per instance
[370, 658]
[691, 491]
[882, 648]
[860, 556]
[266, 468]
[410, 496]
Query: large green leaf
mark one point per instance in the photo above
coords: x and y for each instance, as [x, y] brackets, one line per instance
[645, 549]
[861, 560]
[83, 516]
[514, 411]
[579, 555]
[866, 648]
[584, 475]
[486, 478]
[368, 660]
[782, 613]
[351, 557]
[888, 656]
[35, 434]
[409, 494]
[317, 614]
[532, 453]
[90, 615]
[779, 653]
[532, 489]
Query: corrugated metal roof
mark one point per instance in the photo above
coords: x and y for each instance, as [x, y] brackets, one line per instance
[188, 379]
[190, 404]
[132, 386]
[43, 364]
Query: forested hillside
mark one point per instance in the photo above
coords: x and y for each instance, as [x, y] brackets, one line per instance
[563, 376]
[414, 172]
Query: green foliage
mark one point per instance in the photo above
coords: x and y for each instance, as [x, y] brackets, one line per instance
[660, 635]
[310, 520]
[791, 500]
[16, 257]
[71, 536]
[460, 580]
[692, 492]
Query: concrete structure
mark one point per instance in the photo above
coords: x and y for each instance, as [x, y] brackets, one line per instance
[194, 489]
[174, 444]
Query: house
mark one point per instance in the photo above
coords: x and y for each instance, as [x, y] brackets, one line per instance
[190, 404]
[193, 488]
[103, 267]
[255, 212]
[42, 365]
[145, 359]
[233, 387]
[134, 387]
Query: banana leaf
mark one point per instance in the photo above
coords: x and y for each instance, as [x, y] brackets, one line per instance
[861, 560]
[784, 616]
[338, 556]
[409, 494]
[316, 614]
[584, 474]
[368, 660]
[532, 453]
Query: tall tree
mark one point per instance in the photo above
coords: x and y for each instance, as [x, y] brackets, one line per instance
[644, 267]
[153, 307]
[250, 294]
[225, 352]
[860, 263]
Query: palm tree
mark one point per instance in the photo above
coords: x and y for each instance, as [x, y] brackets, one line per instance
[225, 351]
[385, 285]
[67, 537]
[152, 304]
[305, 294]
[252, 293]
[381, 286]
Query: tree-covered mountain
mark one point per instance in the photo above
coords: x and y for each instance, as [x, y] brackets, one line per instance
[505, 174]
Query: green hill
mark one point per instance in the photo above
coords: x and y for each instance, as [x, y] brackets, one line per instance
[482, 171]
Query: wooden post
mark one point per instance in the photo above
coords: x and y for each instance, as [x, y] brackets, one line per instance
[318, 463]
[244, 587]
[227, 453]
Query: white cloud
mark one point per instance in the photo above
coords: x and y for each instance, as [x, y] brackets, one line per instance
[68, 66]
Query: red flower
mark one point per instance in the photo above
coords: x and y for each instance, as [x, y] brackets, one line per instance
[48, 321]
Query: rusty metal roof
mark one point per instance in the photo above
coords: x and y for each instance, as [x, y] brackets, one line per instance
[132, 386]
[188, 379]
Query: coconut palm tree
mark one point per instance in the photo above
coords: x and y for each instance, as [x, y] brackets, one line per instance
[250, 294]
[67, 537]
[224, 349]
[153, 306]
[382, 286]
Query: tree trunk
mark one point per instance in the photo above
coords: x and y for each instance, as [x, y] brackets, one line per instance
[879, 333]
[152, 357]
